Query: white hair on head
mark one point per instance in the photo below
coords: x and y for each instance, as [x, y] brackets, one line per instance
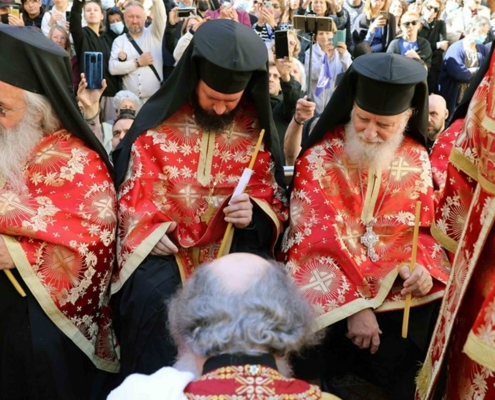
[126, 95]
[38, 105]
[378, 154]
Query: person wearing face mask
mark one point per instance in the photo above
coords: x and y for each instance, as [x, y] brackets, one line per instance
[462, 61]
[458, 20]
[114, 23]
[93, 38]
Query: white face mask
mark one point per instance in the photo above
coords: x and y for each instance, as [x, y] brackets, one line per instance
[106, 4]
[117, 27]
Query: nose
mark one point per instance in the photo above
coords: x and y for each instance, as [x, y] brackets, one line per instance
[121, 136]
[370, 133]
[219, 108]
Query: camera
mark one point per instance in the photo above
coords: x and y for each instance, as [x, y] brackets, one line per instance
[186, 12]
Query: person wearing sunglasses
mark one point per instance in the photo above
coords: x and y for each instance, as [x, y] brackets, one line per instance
[409, 44]
[434, 30]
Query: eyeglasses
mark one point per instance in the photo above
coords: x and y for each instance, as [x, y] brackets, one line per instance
[413, 23]
[434, 9]
[5, 111]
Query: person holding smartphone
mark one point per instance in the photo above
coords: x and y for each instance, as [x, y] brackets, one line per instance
[375, 26]
[6, 16]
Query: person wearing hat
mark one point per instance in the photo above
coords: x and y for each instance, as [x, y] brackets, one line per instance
[57, 229]
[352, 214]
[177, 169]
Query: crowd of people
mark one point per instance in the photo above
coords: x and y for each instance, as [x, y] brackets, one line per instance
[140, 221]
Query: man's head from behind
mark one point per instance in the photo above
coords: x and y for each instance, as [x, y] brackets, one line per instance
[239, 304]
[438, 114]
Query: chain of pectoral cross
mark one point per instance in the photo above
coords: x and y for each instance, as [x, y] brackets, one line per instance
[370, 238]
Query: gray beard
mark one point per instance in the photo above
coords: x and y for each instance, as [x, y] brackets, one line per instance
[16, 145]
[377, 156]
[187, 363]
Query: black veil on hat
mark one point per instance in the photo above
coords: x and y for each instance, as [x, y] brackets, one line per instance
[382, 84]
[233, 57]
[30, 61]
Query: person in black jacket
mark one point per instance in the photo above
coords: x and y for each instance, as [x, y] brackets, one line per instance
[409, 44]
[93, 38]
[32, 13]
[284, 93]
[435, 31]
[374, 28]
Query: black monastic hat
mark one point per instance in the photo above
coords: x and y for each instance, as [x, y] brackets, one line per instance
[235, 56]
[30, 61]
[382, 84]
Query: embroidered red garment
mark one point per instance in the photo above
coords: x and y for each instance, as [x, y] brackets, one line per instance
[323, 246]
[180, 173]
[465, 331]
[249, 382]
[61, 236]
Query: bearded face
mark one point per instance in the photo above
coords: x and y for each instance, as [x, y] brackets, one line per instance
[372, 141]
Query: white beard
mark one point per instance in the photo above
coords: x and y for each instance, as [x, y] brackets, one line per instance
[377, 155]
[16, 145]
[187, 363]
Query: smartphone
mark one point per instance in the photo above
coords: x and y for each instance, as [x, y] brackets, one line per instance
[281, 45]
[384, 14]
[67, 15]
[93, 69]
[339, 36]
[299, 22]
[15, 10]
[185, 12]
[268, 4]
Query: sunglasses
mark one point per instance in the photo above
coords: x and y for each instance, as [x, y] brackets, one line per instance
[407, 24]
[431, 8]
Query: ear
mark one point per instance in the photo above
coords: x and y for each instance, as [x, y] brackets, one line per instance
[446, 114]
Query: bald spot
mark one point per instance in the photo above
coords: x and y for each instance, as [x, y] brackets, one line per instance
[236, 272]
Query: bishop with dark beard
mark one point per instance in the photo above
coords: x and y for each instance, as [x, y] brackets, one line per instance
[177, 169]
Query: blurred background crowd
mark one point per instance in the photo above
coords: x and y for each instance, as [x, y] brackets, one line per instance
[141, 42]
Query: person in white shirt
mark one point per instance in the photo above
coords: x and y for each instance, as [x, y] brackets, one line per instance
[136, 71]
[56, 16]
[459, 19]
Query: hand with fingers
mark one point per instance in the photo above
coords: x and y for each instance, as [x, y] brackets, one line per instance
[239, 211]
[419, 283]
[363, 330]
[165, 246]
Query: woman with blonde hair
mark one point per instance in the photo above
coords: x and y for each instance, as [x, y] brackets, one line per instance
[410, 44]
[60, 36]
[375, 26]
[397, 8]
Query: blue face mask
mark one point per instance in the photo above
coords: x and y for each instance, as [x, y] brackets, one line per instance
[242, 5]
[480, 39]
[117, 27]
[182, 5]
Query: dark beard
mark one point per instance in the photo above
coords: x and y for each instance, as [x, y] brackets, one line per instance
[210, 121]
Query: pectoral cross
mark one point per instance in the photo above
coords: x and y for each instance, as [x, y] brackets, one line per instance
[369, 239]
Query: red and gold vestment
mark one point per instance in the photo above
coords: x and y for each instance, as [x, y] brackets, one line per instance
[251, 382]
[464, 337]
[331, 198]
[180, 173]
[60, 233]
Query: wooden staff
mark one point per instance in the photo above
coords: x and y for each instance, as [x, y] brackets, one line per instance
[251, 165]
[14, 282]
[407, 307]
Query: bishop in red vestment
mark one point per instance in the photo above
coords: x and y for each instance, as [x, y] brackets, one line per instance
[460, 362]
[57, 229]
[352, 207]
[178, 168]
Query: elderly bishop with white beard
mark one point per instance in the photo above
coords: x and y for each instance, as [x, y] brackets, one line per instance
[57, 230]
[352, 214]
